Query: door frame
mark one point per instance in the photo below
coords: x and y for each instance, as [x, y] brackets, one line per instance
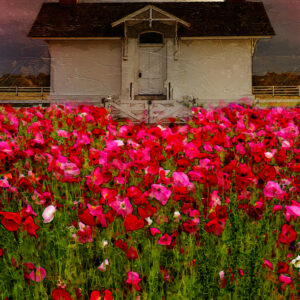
[164, 61]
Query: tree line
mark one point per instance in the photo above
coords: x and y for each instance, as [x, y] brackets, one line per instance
[41, 79]
[271, 78]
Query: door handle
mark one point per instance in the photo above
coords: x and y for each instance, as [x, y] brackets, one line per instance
[140, 74]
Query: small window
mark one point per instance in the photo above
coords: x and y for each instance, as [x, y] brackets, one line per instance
[151, 38]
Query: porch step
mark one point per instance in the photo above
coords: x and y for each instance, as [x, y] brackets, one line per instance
[150, 97]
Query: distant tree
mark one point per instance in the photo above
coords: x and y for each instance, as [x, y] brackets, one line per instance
[22, 80]
[271, 78]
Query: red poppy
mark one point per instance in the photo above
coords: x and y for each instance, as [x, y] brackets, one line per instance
[69, 121]
[11, 220]
[86, 218]
[133, 192]
[216, 226]
[122, 245]
[173, 240]
[268, 173]
[132, 253]
[189, 226]
[98, 131]
[95, 295]
[146, 212]
[107, 295]
[282, 268]
[131, 223]
[30, 226]
[110, 216]
[287, 234]
[60, 294]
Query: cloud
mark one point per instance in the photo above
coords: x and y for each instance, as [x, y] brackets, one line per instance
[278, 64]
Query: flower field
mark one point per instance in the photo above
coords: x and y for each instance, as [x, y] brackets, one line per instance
[94, 209]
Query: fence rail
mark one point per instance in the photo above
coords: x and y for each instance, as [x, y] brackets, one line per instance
[284, 91]
[24, 89]
[276, 90]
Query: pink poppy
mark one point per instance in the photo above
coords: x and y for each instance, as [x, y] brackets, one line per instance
[103, 265]
[133, 279]
[154, 231]
[48, 213]
[38, 274]
[165, 240]
[292, 211]
[285, 279]
[70, 169]
[191, 151]
[39, 139]
[63, 133]
[97, 212]
[276, 208]
[123, 206]
[161, 193]
[273, 189]
[215, 199]
[268, 264]
[181, 179]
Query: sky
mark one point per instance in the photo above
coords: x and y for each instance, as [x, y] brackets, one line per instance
[21, 55]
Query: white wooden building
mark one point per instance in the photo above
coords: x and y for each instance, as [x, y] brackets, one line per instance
[151, 56]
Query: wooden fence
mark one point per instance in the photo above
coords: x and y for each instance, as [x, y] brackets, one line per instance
[276, 91]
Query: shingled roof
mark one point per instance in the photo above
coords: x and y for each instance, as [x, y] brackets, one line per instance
[206, 19]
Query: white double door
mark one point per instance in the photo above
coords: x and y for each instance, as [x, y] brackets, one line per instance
[152, 70]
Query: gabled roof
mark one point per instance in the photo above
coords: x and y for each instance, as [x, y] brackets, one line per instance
[150, 13]
[206, 18]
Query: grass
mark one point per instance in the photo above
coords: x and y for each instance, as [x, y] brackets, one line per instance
[23, 96]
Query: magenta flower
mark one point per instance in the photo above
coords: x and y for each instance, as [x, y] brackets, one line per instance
[97, 212]
[154, 231]
[207, 148]
[272, 189]
[276, 208]
[160, 193]
[38, 274]
[4, 183]
[39, 139]
[48, 213]
[29, 210]
[182, 180]
[191, 151]
[123, 207]
[285, 279]
[268, 264]
[165, 240]
[63, 133]
[70, 169]
[292, 211]
[133, 279]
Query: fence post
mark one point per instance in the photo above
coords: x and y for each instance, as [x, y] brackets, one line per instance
[16, 91]
[273, 91]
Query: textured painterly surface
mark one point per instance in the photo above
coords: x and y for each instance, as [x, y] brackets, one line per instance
[18, 54]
